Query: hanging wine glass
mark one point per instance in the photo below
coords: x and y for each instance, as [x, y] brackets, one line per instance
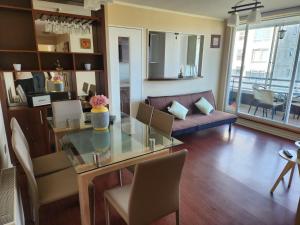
[48, 26]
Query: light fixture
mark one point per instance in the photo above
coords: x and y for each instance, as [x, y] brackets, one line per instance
[282, 33]
[233, 20]
[95, 4]
[253, 17]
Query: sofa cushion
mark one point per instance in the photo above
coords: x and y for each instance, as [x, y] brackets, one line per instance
[204, 106]
[200, 119]
[178, 110]
[187, 100]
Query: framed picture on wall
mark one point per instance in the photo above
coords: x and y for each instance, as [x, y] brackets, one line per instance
[85, 43]
[215, 41]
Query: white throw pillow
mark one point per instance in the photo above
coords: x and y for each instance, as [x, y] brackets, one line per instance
[204, 106]
[178, 110]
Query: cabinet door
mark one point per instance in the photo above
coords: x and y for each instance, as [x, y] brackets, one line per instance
[33, 122]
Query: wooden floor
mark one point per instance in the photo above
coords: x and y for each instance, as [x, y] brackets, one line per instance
[226, 181]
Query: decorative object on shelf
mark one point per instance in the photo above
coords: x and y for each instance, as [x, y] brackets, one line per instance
[88, 66]
[85, 43]
[215, 41]
[282, 33]
[99, 112]
[253, 17]
[58, 79]
[17, 67]
[180, 75]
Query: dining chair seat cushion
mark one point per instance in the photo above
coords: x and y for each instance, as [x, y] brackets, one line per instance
[50, 163]
[119, 198]
[178, 110]
[57, 186]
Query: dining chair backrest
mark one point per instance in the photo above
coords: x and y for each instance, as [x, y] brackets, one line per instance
[155, 188]
[22, 154]
[264, 96]
[162, 122]
[66, 110]
[14, 125]
[144, 113]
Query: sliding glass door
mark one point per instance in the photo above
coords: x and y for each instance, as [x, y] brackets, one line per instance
[264, 79]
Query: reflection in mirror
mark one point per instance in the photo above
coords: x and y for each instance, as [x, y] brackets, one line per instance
[174, 55]
[86, 83]
[21, 84]
[86, 87]
[54, 36]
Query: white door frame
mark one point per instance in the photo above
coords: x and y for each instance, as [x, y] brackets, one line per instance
[113, 82]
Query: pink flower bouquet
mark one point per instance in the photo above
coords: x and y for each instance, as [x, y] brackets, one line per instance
[99, 100]
[58, 78]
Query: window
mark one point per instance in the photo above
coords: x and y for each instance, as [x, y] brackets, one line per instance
[260, 55]
[262, 88]
[239, 54]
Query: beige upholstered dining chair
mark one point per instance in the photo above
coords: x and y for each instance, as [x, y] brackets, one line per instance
[66, 110]
[45, 189]
[46, 164]
[144, 113]
[162, 122]
[154, 192]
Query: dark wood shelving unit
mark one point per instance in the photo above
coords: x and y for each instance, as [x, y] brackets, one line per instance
[18, 44]
[48, 60]
[94, 59]
[22, 4]
[29, 60]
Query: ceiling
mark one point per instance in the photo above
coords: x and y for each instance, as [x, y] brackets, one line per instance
[211, 8]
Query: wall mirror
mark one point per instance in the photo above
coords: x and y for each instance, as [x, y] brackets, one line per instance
[21, 84]
[174, 55]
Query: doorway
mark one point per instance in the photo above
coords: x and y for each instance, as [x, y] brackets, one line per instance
[125, 62]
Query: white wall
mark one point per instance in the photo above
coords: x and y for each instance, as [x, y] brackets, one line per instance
[4, 154]
[158, 20]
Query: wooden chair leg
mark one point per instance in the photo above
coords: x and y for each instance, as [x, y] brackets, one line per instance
[286, 169]
[291, 176]
[120, 177]
[106, 208]
[177, 217]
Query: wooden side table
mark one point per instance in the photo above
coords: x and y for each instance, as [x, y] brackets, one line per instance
[291, 163]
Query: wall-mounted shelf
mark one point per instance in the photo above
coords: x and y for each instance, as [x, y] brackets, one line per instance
[96, 61]
[172, 79]
[29, 60]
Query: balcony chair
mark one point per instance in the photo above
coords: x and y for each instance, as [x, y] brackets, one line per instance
[265, 99]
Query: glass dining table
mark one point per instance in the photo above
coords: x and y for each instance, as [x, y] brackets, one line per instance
[92, 153]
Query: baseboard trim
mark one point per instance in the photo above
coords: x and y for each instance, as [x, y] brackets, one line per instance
[268, 129]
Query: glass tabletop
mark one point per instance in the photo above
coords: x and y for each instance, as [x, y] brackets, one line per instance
[125, 139]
